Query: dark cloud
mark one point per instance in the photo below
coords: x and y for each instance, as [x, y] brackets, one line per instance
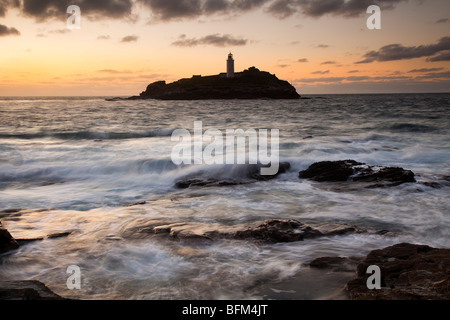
[131, 38]
[353, 71]
[245, 5]
[425, 70]
[282, 8]
[214, 6]
[445, 20]
[179, 9]
[318, 8]
[104, 37]
[357, 78]
[45, 9]
[322, 46]
[328, 62]
[212, 39]
[436, 75]
[319, 80]
[444, 56]
[166, 10]
[5, 31]
[302, 60]
[394, 52]
[321, 72]
[7, 4]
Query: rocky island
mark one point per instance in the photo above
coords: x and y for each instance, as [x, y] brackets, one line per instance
[248, 84]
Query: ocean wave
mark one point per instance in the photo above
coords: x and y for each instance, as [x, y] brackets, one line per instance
[411, 127]
[90, 135]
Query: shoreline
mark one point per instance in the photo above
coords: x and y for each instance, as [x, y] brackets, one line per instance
[325, 277]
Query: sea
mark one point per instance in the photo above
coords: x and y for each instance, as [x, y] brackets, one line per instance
[95, 168]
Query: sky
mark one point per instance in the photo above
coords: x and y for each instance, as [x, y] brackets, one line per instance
[320, 46]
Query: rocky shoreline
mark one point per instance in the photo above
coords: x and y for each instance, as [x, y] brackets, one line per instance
[26, 290]
[348, 173]
[408, 271]
[268, 231]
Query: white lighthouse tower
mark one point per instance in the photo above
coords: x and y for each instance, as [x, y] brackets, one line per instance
[230, 66]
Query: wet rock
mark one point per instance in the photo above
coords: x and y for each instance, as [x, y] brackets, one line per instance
[255, 171]
[352, 171]
[7, 242]
[59, 234]
[278, 231]
[329, 171]
[8, 213]
[137, 203]
[248, 174]
[436, 181]
[432, 184]
[55, 235]
[268, 231]
[408, 272]
[338, 264]
[26, 290]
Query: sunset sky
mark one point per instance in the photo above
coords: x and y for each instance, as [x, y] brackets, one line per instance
[320, 46]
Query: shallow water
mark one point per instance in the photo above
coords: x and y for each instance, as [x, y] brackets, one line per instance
[85, 161]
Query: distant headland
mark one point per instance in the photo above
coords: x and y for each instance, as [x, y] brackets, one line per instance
[248, 84]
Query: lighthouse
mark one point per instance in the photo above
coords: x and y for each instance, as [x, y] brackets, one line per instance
[230, 66]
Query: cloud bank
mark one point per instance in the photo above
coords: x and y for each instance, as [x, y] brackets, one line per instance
[5, 31]
[165, 10]
[394, 52]
[217, 40]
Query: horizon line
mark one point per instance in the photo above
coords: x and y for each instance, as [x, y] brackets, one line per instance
[305, 94]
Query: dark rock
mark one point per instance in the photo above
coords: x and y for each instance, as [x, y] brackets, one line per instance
[340, 264]
[251, 173]
[26, 290]
[329, 171]
[59, 234]
[137, 203]
[268, 231]
[408, 272]
[28, 240]
[23, 241]
[249, 84]
[432, 184]
[276, 230]
[12, 210]
[10, 213]
[350, 170]
[7, 242]
[255, 171]
[436, 182]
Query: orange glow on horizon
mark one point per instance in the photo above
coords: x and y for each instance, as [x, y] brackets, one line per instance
[316, 55]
